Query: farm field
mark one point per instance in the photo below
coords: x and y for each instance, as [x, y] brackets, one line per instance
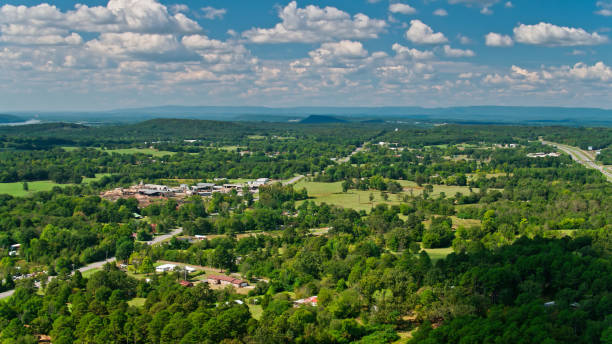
[150, 151]
[331, 193]
[16, 189]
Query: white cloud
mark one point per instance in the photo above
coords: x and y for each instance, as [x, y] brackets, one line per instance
[416, 54]
[486, 11]
[605, 8]
[314, 24]
[552, 35]
[155, 47]
[493, 39]
[509, 4]
[464, 39]
[450, 52]
[401, 8]
[176, 8]
[420, 33]
[598, 71]
[144, 16]
[343, 50]
[440, 12]
[213, 13]
[477, 3]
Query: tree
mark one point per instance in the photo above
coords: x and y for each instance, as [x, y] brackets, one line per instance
[25, 186]
[124, 249]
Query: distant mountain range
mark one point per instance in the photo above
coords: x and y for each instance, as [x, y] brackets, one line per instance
[10, 119]
[469, 114]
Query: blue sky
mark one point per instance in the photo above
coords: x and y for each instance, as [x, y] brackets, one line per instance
[93, 55]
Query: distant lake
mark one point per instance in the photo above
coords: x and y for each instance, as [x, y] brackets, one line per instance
[30, 121]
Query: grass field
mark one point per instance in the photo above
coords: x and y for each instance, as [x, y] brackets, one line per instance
[331, 193]
[438, 253]
[137, 302]
[147, 151]
[256, 311]
[150, 151]
[16, 189]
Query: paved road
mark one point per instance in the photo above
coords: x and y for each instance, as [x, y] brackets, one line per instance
[293, 180]
[97, 265]
[164, 237]
[581, 157]
[347, 158]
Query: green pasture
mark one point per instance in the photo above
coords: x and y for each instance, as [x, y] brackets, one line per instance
[16, 189]
[331, 193]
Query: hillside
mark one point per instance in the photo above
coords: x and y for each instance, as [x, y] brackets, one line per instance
[4, 118]
[321, 119]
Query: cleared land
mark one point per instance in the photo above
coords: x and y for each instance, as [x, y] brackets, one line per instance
[16, 189]
[148, 151]
[331, 193]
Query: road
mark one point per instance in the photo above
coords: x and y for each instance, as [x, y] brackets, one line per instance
[347, 158]
[293, 180]
[97, 265]
[161, 238]
[581, 157]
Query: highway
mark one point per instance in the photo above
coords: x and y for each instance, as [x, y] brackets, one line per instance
[581, 157]
[97, 265]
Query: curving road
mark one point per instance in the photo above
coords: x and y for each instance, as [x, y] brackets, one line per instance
[581, 157]
[96, 265]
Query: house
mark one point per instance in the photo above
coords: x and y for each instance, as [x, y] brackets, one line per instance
[186, 283]
[189, 269]
[222, 279]
[165, 268]
[310, 301]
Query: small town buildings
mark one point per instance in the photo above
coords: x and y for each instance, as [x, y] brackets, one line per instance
[222, 279]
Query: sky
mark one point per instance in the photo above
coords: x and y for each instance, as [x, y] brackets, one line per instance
[99, 55]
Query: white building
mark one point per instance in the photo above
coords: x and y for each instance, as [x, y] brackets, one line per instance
[165, 268]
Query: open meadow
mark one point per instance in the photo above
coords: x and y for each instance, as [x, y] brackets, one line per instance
[331, 193]
[16, 189]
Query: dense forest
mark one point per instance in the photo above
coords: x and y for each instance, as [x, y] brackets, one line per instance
[455, 234]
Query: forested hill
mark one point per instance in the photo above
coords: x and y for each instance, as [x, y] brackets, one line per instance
[10, 119]
[354, 133]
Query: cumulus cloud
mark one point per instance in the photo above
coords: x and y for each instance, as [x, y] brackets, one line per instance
[412, 53]
[451, 52]
[421, 33]
[401, 8]
[157, 47]
[509, 4]
[344, 50]
[314, 24]
[440, 12]
[213, 13]
[143, 16]
[598, 71]
[605, 8]
[493, 39]
[553, 35]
